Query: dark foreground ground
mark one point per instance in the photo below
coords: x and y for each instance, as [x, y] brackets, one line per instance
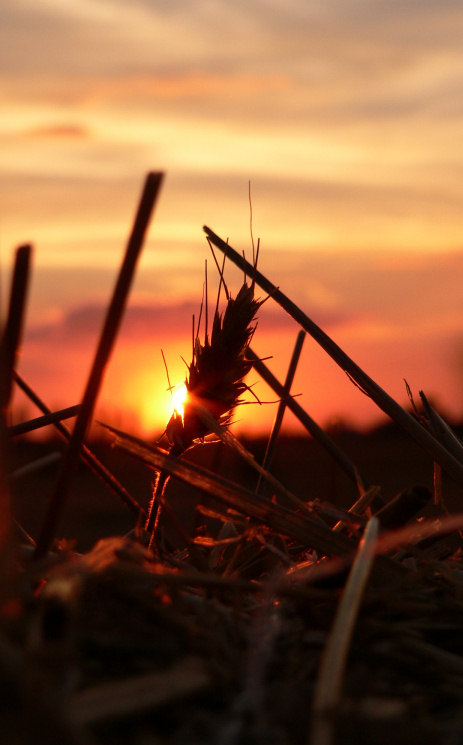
[116, 645]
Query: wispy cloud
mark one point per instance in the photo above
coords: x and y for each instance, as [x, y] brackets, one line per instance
[61, 131]
[141, 323]
[405, 294]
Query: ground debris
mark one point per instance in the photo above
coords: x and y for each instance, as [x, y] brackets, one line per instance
[134, 649]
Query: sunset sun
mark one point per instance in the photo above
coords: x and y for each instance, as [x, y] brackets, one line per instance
[179, 395]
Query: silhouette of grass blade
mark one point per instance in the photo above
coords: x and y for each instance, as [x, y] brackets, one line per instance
[278, 421]
[87, 456]
[43, 421]
[382, 399]
[110, 328]
[15, 319]
[306, 420]
[441, 430]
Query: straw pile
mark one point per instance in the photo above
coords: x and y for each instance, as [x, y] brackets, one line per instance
[275, 621]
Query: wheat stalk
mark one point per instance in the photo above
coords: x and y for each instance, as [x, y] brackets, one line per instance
[214, 384]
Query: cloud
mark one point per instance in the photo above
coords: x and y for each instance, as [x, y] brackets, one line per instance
[336, 78]
[141, 322]
[393, 294]
[320, 44]
[64, 131]
[418, 293]
[347, 122]
[145, 323]
[188, 85]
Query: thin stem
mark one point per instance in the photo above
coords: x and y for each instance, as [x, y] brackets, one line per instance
[278, 421]
[104, 349]
[13, 328]
[306, 420]
[362, 380]
[87, 456]
[159, 506]
[9, 344]
[359, 507]
[42, 421]
[154, 510]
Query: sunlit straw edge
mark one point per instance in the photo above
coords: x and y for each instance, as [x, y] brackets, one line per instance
[330, 677]
[301, 527]
[387, 543]
[442, 431]
[359, 507]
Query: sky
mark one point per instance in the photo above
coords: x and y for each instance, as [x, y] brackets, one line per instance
[345, 117]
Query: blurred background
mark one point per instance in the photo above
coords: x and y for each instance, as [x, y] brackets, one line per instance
[346, 119]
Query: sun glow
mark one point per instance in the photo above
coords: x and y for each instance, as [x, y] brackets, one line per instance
[179, 395]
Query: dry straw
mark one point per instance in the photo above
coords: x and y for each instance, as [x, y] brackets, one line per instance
[108, 336]
[329, 683]
[202, 618]
[326, 442]
[382, 399]
[9, 345]
[43, 421]
[305, 529]
[87, 456]
[284, 398]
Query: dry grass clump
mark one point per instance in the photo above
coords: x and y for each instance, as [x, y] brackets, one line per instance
[215, 379]
[214, 384]
[274, 620]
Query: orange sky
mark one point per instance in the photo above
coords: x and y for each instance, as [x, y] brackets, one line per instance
[347, 119]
